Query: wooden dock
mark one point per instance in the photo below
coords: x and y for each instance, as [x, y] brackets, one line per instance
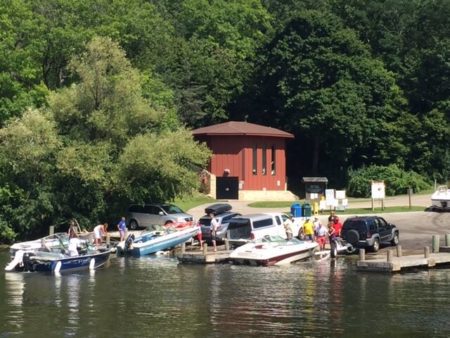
[205, 255]
[398, 262]
[198, 257]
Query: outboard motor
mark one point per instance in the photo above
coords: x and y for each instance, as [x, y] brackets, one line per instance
[27, 264]
[129, 241]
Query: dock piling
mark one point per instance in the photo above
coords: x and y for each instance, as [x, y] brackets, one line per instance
[426, 251]
[51, 230]
[435, 243]
[205, 249]
[389, 256]
[399, 251]
[447, 240]
[183, 248]
[362, 254]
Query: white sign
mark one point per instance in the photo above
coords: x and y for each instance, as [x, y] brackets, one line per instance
[340, 194]
[313, 195]
[329, 194]
[378, 190]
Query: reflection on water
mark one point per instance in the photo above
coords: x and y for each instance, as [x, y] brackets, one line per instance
[14, 287]
[155, 296]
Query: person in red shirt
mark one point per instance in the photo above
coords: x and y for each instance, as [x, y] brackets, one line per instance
[337, 226]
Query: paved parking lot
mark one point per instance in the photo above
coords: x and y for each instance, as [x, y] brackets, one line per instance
[416, 228]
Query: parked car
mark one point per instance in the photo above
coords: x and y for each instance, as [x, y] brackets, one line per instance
[223, 219]
[245, 228]
[142, 216]
[369, 232]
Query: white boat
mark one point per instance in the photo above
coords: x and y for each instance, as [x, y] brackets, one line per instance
[50, 241]
[273, 250]
[441, 198]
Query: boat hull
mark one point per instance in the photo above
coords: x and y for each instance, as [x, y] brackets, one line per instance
[278, 260]
[157, 243]
[440, 203]
[269, 255]
[45, 262]
[441, 198]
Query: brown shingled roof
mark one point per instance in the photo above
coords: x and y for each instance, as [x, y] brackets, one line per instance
[241, 128]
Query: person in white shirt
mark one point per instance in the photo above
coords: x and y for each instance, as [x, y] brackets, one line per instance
[288, 227]
[214, 226]
[321, 233]
[74, 242]
[99, 233]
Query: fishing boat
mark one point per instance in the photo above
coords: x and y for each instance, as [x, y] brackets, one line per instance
[149, 242]
[57, 253]
[50, 242]
[441, 198]
[273, 250]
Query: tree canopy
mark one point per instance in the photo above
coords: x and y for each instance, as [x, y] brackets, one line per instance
[99, 143]
[97, 98]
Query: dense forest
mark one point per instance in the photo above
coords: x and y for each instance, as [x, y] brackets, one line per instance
[98, 97]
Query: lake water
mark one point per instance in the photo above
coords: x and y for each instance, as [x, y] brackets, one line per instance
[157, 297]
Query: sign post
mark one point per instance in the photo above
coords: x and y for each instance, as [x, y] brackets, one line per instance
[378, 192]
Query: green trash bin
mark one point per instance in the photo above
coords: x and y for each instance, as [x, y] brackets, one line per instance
[306, 210]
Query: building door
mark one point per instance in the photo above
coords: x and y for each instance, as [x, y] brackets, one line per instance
[227, 188]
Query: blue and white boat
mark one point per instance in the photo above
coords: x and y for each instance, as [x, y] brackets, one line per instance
[56, 254]
[149, 242]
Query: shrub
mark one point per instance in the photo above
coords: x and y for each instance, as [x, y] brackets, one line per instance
[396, 180]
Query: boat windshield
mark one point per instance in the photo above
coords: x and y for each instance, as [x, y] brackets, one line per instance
[276, 238]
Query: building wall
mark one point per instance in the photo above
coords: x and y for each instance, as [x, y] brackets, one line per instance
[234, 156]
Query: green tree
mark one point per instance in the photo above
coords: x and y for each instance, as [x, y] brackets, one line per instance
[317, 80]
[69, 25]
[107, 104]
[412, 38]
[79, 158]
[212, 51]
[28, 151]
[20, 49]
[158, 167]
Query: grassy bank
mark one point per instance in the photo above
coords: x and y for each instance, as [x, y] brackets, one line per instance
[191, 202]
[285, 206]
[354, 211]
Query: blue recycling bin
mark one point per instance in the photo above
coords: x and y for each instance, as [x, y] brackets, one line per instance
[306, 210]
[296, 210]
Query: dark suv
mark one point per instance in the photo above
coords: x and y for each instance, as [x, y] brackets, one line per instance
[369, 232]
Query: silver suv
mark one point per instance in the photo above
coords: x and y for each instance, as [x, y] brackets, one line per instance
[142, 216]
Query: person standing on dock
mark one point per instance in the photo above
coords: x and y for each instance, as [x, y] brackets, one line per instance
[288, 227]
[308, 230]
[200, 235]
[122, 227]
[73, 231]
[337, 226]
[99, 233]
[214, 226]
[321, 232]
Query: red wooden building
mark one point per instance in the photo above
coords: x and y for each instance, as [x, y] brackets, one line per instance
[248, 162]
